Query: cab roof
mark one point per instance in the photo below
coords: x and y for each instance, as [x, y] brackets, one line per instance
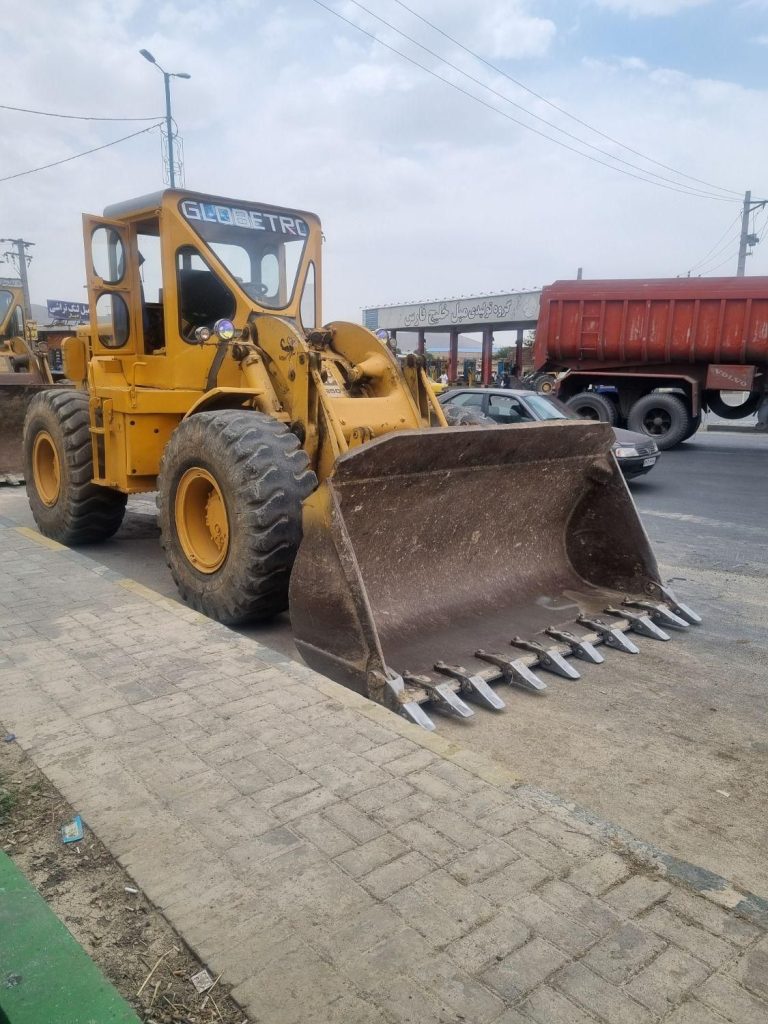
[153, 200]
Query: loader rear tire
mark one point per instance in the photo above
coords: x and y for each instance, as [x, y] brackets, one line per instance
[58, 465]
[230, 490]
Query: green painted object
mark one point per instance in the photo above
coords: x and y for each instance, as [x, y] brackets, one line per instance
[45, 976]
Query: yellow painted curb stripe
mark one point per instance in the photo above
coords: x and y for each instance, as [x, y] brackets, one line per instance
[38, 538]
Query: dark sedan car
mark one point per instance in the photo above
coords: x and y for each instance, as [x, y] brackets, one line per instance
[636, 454]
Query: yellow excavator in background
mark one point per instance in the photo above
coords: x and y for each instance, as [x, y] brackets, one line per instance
[299, 465]
[24, 371]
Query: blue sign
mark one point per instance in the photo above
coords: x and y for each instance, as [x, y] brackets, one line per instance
[58, 309]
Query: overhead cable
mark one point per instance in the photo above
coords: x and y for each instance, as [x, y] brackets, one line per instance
[728, 259]
[74, 117]
[716, 247]
[489, 106]
[76, 156]
[554, 106]
[525, 110]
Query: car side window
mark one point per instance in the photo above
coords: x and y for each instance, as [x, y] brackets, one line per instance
[469, 399]
[506, 409]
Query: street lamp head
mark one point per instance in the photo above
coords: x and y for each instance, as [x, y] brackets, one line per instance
[148, 56]
[182, 74]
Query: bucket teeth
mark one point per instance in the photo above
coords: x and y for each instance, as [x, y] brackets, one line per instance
[678, 607]
[473, 687]
[639, 623]
[516, 672]
[413, 711]
[410, 709]
[610, 635]
[581, 648]
[549, 658]
[658, 613]
[444, 696]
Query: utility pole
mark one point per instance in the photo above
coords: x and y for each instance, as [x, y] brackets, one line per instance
[746, 240]
[19, 256]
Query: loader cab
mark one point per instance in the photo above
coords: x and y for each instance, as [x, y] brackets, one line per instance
[162, 266]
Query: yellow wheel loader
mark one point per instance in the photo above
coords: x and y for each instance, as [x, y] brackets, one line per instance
[299, 466]
[24, 371]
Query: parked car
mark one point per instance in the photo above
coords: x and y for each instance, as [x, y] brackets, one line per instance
[635, 453]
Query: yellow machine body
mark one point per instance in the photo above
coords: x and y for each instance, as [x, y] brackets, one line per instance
[145, 371]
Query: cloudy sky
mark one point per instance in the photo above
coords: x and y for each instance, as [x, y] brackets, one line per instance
[424, 191]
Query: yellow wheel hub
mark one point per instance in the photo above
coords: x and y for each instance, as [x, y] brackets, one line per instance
[46, 469]
[201, 520]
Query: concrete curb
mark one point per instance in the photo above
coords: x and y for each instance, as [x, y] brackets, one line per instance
[707, 884]
[726, 428]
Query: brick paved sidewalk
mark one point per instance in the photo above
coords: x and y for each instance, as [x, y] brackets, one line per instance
[333, 862]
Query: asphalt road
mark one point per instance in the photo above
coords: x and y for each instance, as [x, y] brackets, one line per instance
[671, 744]
[706, 503]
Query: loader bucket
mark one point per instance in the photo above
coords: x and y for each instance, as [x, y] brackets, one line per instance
[425, 547]
[14, 399]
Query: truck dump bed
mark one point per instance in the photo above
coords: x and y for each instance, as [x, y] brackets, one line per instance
[651, 322]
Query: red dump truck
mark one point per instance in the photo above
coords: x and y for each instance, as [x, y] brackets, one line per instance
[651, 355]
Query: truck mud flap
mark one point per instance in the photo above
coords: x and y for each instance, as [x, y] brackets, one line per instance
[436, 562]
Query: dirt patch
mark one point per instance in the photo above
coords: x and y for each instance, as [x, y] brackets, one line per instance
[129, 939]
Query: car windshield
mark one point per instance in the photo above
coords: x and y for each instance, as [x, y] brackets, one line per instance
[545, 408]
[261, 249]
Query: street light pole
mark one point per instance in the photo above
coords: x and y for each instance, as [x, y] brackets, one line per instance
[167, 76]
[169, 129]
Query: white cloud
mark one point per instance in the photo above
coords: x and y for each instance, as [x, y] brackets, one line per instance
[650, 8]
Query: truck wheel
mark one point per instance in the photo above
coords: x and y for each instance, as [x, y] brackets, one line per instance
[714, 400]
[593, 406]
[58, 463]
[464, 416]
[545, 384]
[230, 490]
[663, 417]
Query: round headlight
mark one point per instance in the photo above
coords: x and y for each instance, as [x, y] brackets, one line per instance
[224, 329]
[202, 334]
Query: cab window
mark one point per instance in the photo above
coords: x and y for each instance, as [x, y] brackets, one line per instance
[6, 298]
[203, 297]
[151, 284]
[17, 323]
[308, 305]
[506, 409]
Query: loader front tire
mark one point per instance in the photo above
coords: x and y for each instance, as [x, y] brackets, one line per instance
[230, 491]
[58, 466]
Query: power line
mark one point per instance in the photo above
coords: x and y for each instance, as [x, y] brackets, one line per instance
[683, 190]
[728, 259]
[73, 117]
[705, 257]
[519, 107]
[560, 110]
[704, 266]
[76, 156]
